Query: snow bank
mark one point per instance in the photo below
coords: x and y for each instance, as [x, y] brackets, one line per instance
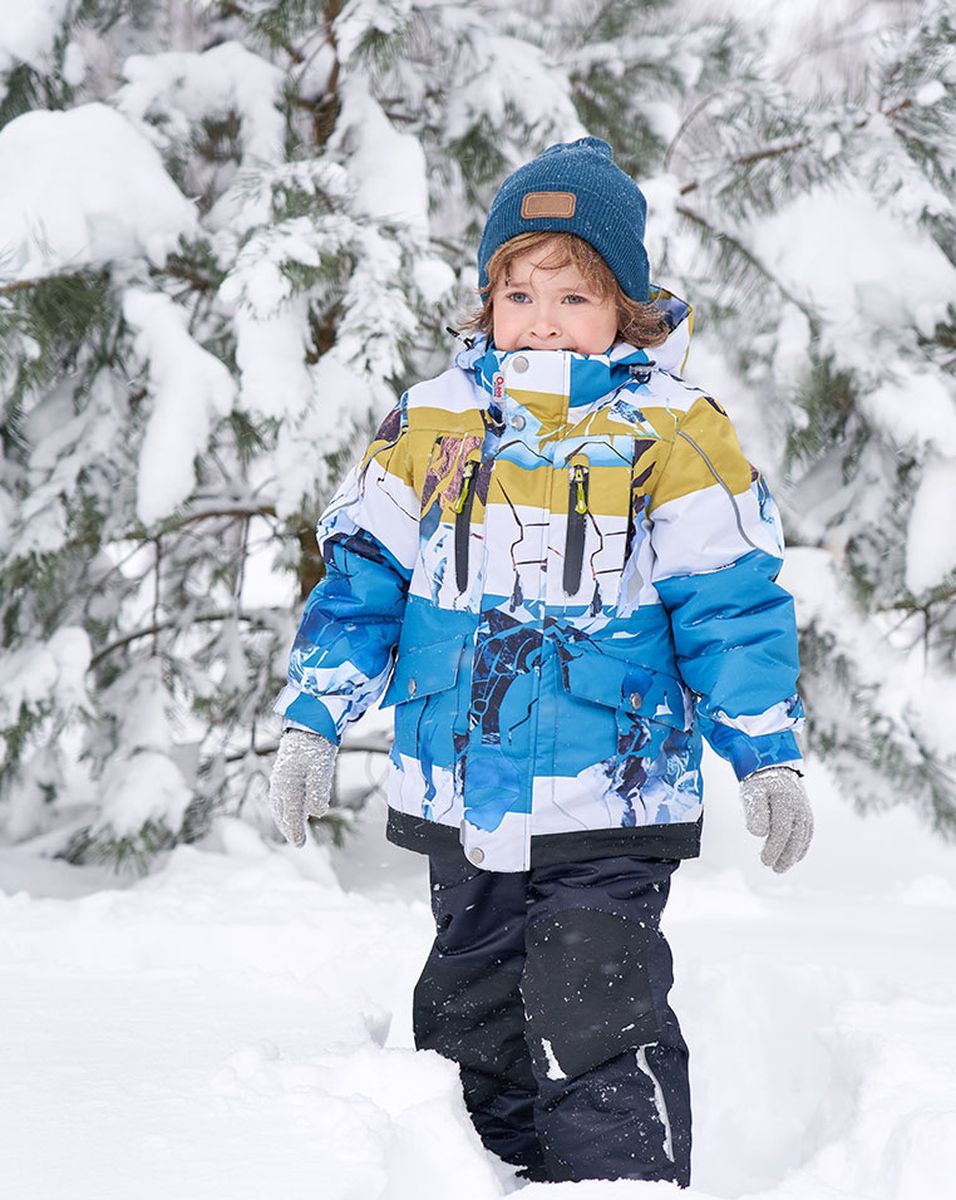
[222, 1029]
[239, 1023]
[120, 202]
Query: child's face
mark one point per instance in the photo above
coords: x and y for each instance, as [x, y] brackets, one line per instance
[542, 308]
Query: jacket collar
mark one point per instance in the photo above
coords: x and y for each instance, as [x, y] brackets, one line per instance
[550, 379]
[547, 379]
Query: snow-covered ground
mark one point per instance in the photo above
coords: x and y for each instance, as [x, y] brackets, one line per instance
[237, 1025]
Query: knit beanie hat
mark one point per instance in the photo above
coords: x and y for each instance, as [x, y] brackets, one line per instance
[574, 187]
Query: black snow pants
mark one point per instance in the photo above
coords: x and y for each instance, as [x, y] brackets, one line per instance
[549, 989]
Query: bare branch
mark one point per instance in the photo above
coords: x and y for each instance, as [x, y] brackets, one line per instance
[158, 627]
[754, 262]
[22, 285]
[747, 160]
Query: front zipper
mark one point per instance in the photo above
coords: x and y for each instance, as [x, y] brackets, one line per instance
[577, 517]
[463, 506]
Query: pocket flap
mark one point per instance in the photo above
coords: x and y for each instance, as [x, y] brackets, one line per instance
[424, 670]
[605, 678]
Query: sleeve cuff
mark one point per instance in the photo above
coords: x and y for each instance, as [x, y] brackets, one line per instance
[748, 754]
[796, 765]
[303, 711]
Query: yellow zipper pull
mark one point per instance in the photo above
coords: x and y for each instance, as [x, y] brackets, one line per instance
[470, 467]
[581, 502]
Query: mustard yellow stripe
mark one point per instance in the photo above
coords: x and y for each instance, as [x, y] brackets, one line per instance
[533, 398]
[392, 456]
[597, 424]
[433, 466]
[608, 488]
[425, 420]
[704, 446]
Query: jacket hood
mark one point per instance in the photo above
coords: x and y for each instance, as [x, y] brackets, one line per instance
[671, 356]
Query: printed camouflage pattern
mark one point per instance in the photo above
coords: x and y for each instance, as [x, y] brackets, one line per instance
[563, 568]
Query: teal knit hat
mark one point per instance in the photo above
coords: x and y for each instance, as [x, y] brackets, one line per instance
[574, 187]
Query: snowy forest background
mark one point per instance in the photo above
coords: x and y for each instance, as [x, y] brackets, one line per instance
[232, 232]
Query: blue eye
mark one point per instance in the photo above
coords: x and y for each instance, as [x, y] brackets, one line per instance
[574, 298]
[518, 297]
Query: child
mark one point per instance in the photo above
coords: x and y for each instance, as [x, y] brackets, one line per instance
[555, 562]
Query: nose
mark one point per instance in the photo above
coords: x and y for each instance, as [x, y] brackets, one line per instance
[545, 324]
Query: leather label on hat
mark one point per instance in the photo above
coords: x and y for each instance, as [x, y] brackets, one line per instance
[548, 204]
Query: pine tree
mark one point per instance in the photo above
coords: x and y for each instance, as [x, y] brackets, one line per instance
[180, 396]
[185, 379]
[176, 414]
[854, 375]
[888, 426]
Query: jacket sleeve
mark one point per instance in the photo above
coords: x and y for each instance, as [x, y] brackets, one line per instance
[345, 645]
[718, 547]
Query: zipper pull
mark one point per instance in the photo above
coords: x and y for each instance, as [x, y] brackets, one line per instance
[470, 467]
[581, 501]
[468, 342]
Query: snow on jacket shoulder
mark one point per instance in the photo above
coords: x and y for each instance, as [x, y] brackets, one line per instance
[563, 568]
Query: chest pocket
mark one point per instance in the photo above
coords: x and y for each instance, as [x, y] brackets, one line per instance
[449, 490]
[597, 518]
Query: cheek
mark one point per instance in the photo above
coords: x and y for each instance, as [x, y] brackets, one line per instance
[599, 331]
[503, 327]
[606, 323]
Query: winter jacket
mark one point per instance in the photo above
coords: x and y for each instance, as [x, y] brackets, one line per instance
[560, 570]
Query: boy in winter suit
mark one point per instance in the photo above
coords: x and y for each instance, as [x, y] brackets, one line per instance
[555, 562]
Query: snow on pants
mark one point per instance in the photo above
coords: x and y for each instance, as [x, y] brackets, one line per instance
[549, 989]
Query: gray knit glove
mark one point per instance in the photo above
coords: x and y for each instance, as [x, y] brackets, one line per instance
[777, 808]
[301, 781]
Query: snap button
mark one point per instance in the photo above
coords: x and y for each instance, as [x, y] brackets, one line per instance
[636, 699]
[476, 855]
[412, 685]
[520, 364]
[518, 422]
